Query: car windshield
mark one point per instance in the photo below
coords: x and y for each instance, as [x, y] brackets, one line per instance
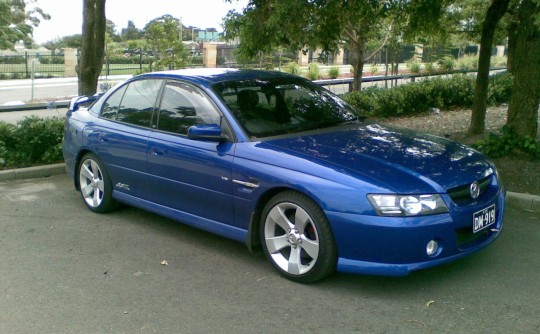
[269, 107]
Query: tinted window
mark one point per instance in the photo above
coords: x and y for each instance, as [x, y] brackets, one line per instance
[265, 107]
[110, 107]
[138, 102]
[183, 106]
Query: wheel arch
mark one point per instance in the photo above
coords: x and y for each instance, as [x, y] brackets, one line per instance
[78, 159]
[253, 239]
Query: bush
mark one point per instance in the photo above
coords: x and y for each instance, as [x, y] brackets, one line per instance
[430, 67]
[32, 141]
[333, 72]
[498, 61]
[413, 98]
[468, 62]
[500, 88]
[507, 144]
[414, 66]
[45, 60]
[447, 63]
[293, 68]
[314, 72]
[374, 69]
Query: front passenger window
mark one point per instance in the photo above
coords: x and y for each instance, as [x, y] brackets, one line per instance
[182, 106]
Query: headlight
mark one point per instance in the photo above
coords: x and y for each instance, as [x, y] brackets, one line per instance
[407, 205]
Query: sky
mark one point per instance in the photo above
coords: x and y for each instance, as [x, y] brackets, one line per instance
[66, 15]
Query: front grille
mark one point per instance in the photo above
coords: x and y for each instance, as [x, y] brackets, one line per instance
[461, 195]
[465, 237]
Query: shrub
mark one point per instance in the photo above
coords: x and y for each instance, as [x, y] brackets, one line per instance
[32, 141]
[374, 68]
[314, 72]
[414, 66]
[468, 62]
[498, 61]
[500, 88]
[447, 63]
[293, 68]
[506, 144]
[430, 67]
[334, 72]
[457, 91]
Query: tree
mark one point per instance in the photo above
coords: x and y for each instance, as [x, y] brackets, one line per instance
[71, 41]
[495, 12]
[163, 39]
[17, 22]
[131, 32]
[359, 25]
[93, 46]
[524, 60]
[298, 25]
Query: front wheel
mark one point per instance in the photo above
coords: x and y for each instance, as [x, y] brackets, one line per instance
[95, 185]
[297, 238]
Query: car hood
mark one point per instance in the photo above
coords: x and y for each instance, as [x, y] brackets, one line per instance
[402, 160]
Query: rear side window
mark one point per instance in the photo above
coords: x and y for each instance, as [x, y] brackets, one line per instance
[182, 106]
[134, 103]
[110, 107]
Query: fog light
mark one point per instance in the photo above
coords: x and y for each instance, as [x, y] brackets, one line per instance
[432, 248]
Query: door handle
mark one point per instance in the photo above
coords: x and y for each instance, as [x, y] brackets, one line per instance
[103, 138]
[157, 152]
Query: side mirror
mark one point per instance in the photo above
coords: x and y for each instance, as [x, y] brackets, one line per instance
[209, 132]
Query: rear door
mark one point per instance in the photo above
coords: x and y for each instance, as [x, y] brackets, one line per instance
[121, 139]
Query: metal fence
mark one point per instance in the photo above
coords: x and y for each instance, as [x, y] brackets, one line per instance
[22, 65]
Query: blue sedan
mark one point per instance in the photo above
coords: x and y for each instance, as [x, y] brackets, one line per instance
[273, 160]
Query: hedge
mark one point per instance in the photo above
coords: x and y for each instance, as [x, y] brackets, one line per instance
[418, 97]
[32, 141]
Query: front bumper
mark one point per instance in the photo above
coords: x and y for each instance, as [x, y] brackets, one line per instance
[396, 246]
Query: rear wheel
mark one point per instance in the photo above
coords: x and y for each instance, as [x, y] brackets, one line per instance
[95, 185]
[297, 238]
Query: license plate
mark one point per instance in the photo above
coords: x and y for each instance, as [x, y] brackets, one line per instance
[483, 218]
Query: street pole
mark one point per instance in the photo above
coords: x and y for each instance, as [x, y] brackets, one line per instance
[33, 72]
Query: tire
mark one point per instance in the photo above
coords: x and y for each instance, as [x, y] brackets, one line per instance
[95, 185]
[297, 239]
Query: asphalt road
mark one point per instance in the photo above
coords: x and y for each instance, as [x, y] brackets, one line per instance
[64, 269]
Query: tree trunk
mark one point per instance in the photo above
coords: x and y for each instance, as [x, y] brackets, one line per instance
[494, 14]
[357, 50]
[523, 109]
[93, 46]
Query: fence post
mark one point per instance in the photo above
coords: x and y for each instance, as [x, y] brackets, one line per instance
[210, 55]
[303, 59]
[26, 62]
[70, 62]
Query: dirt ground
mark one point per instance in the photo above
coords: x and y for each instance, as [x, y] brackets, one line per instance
[517, 174]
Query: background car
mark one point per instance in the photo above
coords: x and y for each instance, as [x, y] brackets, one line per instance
[271, 159]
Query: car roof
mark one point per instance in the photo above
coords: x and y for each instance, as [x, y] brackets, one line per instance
[215, 75]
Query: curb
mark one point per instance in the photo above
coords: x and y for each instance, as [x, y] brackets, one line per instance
[32, 172]
[525, 202]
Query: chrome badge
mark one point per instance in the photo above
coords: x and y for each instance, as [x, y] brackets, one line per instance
[474, 190]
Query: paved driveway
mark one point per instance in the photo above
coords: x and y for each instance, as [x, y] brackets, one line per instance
[64, 269]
